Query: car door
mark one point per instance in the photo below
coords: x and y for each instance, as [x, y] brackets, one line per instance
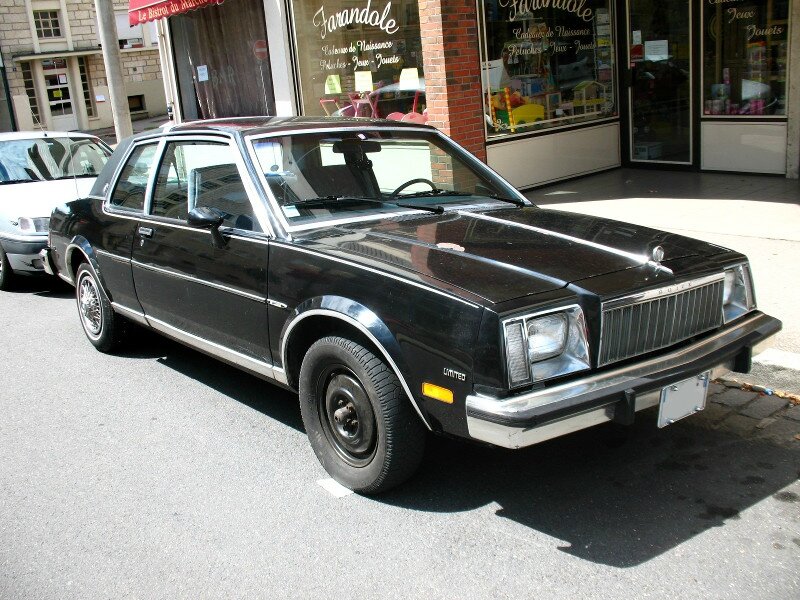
[210, 295]
[122, 209]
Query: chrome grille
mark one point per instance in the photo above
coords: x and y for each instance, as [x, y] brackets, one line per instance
[659, 318]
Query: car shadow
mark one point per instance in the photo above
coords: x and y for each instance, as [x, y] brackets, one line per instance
[618, 496]
[46, 287]
[268, 399]
[610, 495]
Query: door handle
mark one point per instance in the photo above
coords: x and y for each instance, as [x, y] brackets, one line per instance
[146, 232]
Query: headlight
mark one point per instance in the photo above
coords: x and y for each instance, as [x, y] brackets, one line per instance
[33, 225]
[738, 297]
[545, 345]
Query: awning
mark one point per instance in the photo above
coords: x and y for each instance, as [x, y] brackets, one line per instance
[141, 11]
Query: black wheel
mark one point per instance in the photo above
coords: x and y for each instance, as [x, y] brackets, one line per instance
[6, 274]
[411, 182]
[100, 324]
[360, 424]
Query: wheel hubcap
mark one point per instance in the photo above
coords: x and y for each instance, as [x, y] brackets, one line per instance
[89, 305]
[347, 418]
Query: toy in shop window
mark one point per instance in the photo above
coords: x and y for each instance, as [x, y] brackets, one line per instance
[589, 96]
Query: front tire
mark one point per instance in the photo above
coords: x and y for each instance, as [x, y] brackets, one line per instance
[99, 321]
[6, 273]
[360, 424]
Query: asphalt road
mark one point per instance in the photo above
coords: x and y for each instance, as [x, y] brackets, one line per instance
[160, 473]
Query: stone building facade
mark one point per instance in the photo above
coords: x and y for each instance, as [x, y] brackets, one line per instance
[54, 66]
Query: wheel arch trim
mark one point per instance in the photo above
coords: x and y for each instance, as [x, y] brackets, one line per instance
[82, 245]
[359, 317]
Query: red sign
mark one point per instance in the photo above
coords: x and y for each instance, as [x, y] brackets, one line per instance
[260, 50]
[141, 11]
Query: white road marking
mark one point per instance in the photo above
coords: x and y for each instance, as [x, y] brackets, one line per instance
[336, 489]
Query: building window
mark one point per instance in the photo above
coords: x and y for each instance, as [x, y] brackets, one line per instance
[136, 103]
[546, 67]
[30, 90]
[360, 59]
[745, 46]
[47, 24]
[86, 84]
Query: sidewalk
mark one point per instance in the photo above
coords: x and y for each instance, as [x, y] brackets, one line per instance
[109, 136]
[756, 215]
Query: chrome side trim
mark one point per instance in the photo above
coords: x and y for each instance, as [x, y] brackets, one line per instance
[115, 257]
[276, 304]
[639, 259]
[366, 332]
[133, 315]
[218, 286]
[67, 279]
[522, 406]
[376, 271]
[238, 359]
[663, 291]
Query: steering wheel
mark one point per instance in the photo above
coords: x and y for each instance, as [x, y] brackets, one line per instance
[412, 182]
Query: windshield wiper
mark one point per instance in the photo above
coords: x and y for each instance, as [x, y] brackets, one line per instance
[76, 176]
[515, 201]
[322, 200]
[10, 181]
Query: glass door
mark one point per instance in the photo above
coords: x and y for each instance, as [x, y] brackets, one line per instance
[660, 92]
[56, 82]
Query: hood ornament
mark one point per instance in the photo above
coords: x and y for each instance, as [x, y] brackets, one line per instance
[657, 254]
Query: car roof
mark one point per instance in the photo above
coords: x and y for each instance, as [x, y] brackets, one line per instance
[34, 135]
[259, 125]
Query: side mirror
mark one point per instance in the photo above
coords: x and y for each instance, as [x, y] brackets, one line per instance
[204, 217]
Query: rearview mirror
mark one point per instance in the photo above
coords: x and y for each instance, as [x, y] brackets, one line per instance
[348, 146]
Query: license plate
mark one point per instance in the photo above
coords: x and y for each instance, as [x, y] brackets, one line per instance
[682, 399]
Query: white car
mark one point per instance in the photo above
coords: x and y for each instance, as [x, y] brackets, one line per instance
[39, 171]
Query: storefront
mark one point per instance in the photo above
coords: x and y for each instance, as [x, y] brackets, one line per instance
[541, 89]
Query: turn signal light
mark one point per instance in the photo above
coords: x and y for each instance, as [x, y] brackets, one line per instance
[437, 393]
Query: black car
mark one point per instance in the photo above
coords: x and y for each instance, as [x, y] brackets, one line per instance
[400, 286]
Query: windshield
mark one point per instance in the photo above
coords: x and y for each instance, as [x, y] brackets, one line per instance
[318, 177]
[43, 159]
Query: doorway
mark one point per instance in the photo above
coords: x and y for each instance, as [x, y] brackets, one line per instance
[59, 99]
[660, 95]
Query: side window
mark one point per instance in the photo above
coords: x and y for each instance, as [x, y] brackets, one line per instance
[132, 184]
[194, 174]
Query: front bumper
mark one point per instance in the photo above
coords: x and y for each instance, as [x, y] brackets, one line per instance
[23, 253]
[614, 394]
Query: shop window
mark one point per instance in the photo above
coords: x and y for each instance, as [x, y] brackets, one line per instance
[222, 61]
[546, 67]
[360, 59]
[745, 46]
[47, 24]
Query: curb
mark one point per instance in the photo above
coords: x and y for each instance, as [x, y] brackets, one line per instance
[774, 373]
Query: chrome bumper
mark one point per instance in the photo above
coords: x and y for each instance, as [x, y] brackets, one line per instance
[47, 261]
[614, 394]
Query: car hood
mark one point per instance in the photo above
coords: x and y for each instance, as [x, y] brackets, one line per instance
[503, 254]
[39, 198]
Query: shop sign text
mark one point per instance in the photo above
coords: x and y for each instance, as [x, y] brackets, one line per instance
[518, 7]
[362, 16]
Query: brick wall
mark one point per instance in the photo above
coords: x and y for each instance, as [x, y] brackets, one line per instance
[449, 30]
